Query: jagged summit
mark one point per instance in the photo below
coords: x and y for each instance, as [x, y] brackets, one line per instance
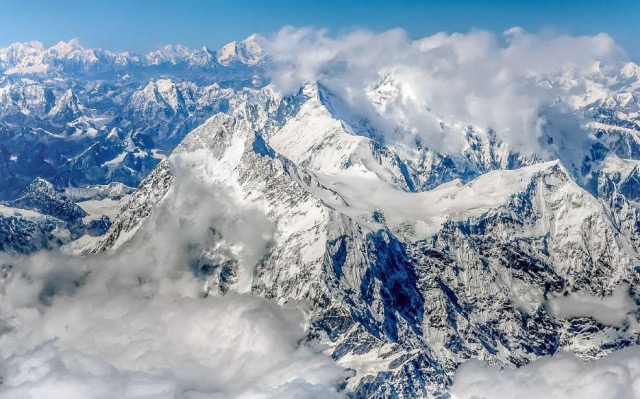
[249, 51]
[63, 48]
[41, 196]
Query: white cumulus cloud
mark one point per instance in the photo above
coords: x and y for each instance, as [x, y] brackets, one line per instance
[137, 323]
[561, 376]
[406, 88]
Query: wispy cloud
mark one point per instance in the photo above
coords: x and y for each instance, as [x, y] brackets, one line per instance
[407, 87]
[136, 324]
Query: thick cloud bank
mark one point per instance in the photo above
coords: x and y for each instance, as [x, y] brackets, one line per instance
[613, 309]
[408, 87]
[557, 377]
[137, 324]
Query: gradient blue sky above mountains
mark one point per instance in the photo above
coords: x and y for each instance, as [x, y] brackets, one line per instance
[137, 25]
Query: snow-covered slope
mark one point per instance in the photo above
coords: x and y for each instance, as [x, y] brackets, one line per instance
[404, 285]
[249, 51]
[44, 218]
[25, 231]
[42, 197]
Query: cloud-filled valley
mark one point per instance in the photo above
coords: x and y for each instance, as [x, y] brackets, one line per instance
[139, 324]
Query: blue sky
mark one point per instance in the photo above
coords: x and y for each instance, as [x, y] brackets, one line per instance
[142, 25]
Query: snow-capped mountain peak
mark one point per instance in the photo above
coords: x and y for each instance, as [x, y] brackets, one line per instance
[63, 48]
[249, 51]
[173, 54]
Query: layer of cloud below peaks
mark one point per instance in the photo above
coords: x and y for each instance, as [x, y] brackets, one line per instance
[136, 324]
[478, 78]
[561, 376]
